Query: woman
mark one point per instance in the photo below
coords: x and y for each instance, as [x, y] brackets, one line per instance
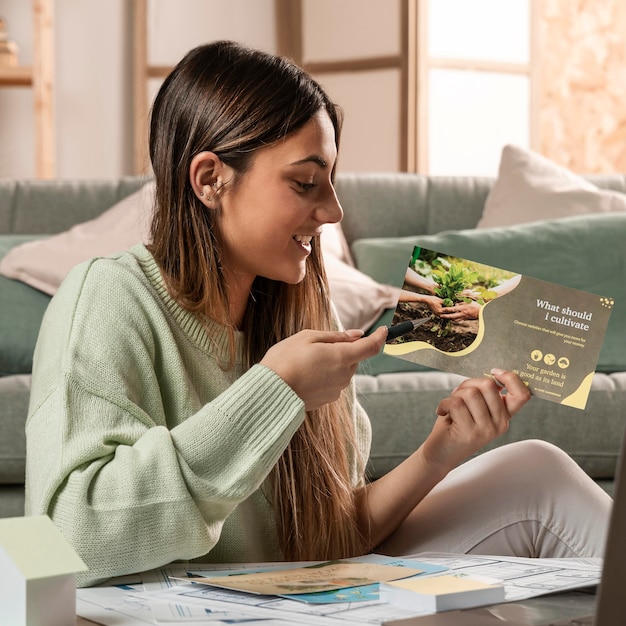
[192, 399]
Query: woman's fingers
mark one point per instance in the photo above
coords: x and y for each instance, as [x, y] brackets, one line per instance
[501, 395]
[317, 365]
[475, 413]
[517, 393]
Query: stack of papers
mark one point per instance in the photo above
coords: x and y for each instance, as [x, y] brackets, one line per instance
[172, 596]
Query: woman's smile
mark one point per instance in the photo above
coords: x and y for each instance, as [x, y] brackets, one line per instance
[304, 241]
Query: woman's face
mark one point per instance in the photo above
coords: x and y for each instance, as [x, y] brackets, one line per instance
[270, 215]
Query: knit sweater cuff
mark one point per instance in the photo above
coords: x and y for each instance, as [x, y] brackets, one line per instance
[250, 424]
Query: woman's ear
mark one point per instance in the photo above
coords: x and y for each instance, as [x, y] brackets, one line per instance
[206, 175]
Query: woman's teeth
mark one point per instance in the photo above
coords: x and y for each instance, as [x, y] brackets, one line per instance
[303, 238]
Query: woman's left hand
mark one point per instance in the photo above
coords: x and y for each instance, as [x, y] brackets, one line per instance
[475, 413]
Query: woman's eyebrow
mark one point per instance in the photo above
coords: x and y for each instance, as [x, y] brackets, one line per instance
[312, 158]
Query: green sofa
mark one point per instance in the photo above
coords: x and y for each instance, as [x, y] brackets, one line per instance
[382, 213]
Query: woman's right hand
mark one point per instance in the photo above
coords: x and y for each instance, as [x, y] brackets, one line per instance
[318, 365]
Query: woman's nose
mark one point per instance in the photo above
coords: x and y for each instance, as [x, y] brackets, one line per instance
[330, 210]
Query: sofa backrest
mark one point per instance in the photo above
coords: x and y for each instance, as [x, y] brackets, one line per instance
[33, 207]
[375, 204]
[393, 204]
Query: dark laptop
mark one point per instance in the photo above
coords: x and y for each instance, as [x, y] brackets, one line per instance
[607, 608]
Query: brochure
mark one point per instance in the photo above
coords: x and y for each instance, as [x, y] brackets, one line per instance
[364, 593]
[327, 576]
[469, 318]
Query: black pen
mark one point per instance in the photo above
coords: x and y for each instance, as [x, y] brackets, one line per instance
[393, 332]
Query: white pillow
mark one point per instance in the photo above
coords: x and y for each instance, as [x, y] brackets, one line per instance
[43, 264]
[530, 188]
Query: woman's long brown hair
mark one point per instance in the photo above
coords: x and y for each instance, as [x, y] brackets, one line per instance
[233, 101]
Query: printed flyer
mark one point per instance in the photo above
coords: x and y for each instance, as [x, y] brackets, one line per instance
[320, 577]
[468, 318]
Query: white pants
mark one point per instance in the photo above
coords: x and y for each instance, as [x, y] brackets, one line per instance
[525, 499]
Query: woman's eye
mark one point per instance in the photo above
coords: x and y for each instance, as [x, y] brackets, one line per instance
[305, 186]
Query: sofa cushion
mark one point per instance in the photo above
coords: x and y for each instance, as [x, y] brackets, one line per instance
[530, 187]
[14, 392]
[21, 312]
[583, 252]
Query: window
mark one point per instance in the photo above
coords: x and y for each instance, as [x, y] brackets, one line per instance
[474, 87]
[429, 86]
[354, 49]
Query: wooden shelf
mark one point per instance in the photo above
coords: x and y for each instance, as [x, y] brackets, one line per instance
[40, 78]
[16, 76]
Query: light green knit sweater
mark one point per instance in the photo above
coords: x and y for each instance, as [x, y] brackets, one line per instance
[141, 448]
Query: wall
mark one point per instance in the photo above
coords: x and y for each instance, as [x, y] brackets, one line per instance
[582, 122]
[583, 102]
[92, 80]
[370, 99]
[93, 74]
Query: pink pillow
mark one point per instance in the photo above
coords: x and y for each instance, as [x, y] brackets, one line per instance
[43, 264]
[358, 299]
[334, 243]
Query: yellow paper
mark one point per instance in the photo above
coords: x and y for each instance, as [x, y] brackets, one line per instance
[438, 585]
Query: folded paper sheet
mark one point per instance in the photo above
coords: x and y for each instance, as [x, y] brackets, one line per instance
[315, 578]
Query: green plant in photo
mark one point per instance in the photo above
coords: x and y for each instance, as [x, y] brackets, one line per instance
[451, 282]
